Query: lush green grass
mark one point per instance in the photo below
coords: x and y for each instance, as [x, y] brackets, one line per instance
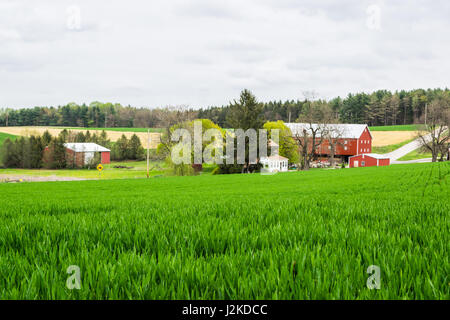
[390, 148]
[415, 155]
[301, 235]
[117, 129]
[139, 170]
[407, 127]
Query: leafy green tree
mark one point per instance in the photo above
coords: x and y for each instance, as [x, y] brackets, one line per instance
[287, 145]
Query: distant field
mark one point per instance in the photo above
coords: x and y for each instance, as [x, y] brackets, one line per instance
[408, 127]
[388, 138]
[299, 235]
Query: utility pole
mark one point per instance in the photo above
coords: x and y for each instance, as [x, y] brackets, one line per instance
[148, 153]
[289, 117]
[426, 110]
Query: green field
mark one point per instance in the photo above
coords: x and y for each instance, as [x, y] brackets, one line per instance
[4, 136]
[299, 235]
[407, 127]
[415, 155]
[135, 169]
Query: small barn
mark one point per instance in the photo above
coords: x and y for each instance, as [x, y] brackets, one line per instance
[369, 160]
[275, 163]
[83, 153]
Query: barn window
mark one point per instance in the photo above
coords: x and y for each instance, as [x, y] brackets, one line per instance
[363, 163]
[345, 148]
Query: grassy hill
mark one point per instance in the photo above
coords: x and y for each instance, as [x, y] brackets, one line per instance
[408, 127]
[302, 235]
[4, 136]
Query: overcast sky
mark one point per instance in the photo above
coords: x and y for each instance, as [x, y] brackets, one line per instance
[204, 52]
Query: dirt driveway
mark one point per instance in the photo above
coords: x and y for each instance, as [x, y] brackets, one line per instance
[29, 178]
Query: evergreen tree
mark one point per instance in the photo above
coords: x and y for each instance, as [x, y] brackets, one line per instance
[36, 152]
[58, 151]
[10, 156]
[46, 138]
[135, 149]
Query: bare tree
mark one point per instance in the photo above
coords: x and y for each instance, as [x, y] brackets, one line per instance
[334, 136]
[311, 133]
[435, 135]
[169, 117]
[145, 118]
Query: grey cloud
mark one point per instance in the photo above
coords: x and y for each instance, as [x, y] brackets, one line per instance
[207, 9]
[203, 52]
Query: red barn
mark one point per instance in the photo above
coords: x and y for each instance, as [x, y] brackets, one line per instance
[83, 153]
[369, 160]
[349, 139]
[80, 154]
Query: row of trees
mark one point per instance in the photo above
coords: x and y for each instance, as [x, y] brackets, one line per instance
[381, 107]
[28, 152]
[94, 115]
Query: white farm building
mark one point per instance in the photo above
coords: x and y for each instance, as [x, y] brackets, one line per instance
[275, 163]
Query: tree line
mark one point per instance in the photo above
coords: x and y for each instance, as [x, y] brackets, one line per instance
[47, 151]
[381, 107]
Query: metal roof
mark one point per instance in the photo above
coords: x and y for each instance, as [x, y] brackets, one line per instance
[344, 131]
[85, 147]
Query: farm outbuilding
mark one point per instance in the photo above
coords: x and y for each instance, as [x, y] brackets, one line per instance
[369, 160]
[275, 163]
[83, 153]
